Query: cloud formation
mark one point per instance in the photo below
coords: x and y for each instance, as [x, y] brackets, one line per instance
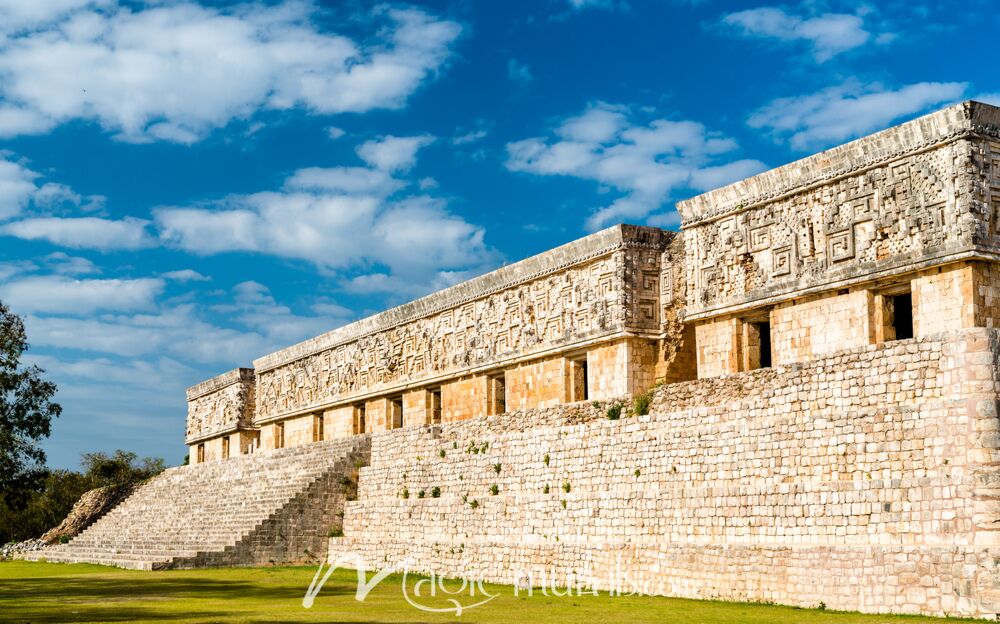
[847, 111]
[174, 71]
[645, 162]
[64, 295]
[83, 232]
[392, 153]
[828, 34]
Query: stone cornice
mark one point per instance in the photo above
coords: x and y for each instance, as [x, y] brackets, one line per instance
[944, 126]
[219, 382]
[219, 432]
[536, 267]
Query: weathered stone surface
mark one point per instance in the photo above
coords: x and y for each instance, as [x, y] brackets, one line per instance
[220, 405]
[900, 200]
[88, 510]
[828, 481]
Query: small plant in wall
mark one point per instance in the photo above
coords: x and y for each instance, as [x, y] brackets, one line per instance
[421, 494]
[405, 493]
[567, 487]
[497, 467]
[545, 489]
[336, 533]
[474, 504]
[615, 410]
[441, 453]
[494, 489]
[563, 503]
[637, 472]
[641, 403]
[546, 459]
[435, 492]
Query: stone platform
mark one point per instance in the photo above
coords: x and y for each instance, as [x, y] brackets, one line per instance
[865, 480]
[269, 507]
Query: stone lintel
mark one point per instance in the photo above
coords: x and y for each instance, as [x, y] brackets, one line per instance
[220, 381]
[954, 122]
[593, 246]
[189, 441]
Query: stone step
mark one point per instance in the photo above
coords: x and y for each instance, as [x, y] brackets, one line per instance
[254, 508]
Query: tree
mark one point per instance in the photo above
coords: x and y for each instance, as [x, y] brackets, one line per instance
[26, 413]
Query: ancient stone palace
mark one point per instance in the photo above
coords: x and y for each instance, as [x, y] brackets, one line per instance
[794, 399]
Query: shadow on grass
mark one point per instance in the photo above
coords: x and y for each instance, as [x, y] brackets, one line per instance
[86, 598]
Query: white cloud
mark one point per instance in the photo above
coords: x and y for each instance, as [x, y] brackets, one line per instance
[342, 219]
[174, 71]
[346, 180]
[392, 153]
[334, 132]
[17, 186]
[847, 111]
[185, 275]
[65, 264]
[412, 237]
[472, 136]
[62, 295]
[20, 14]
[828, 34]
[644, 162]
[518, 72]
[83, 232]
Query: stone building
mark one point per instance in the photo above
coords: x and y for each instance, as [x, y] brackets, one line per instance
[594, 319]
[888, 237]
[822, 346]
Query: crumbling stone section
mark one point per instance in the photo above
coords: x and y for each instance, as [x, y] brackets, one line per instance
[88, 510]
[864, 480]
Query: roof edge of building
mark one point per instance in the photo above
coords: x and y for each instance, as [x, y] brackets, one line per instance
[531, 268]
[943, 125]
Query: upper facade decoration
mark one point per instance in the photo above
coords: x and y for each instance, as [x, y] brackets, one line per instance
[220, 405]
[919, 194]
[600, 286]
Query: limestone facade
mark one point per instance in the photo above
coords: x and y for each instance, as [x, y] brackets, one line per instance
[865, 480]
[823, 340]
[595, 318]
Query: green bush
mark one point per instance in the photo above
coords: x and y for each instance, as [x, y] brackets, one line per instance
[494, 489]
[435, 492]
[641, 403]
[336, 533]
[615, 410]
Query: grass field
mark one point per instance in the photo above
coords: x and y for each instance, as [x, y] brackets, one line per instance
[41, 592]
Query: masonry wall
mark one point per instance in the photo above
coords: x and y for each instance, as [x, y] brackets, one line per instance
[542, 383]
[863, 480]
[817, 327]
[464, 398]
[339, 422]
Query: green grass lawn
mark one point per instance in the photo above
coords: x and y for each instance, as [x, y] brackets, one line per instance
[41, 592]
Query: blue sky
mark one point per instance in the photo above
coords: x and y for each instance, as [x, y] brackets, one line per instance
[185, 187]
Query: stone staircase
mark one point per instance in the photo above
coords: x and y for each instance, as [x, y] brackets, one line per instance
[270, 507]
